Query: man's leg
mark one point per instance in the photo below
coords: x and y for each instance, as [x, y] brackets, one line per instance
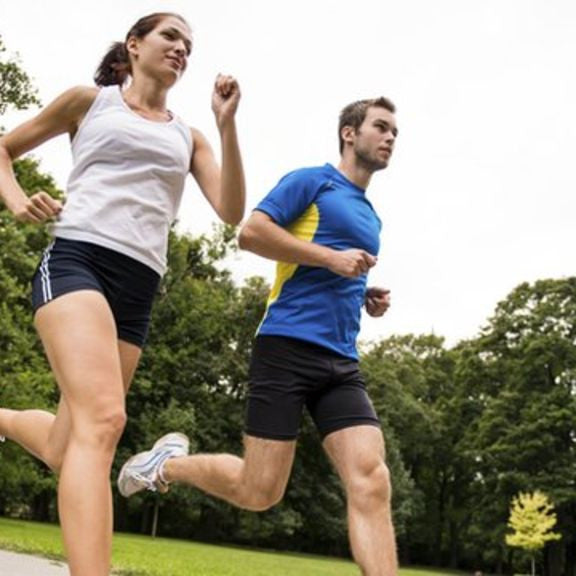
[358, 455]
[255, 482]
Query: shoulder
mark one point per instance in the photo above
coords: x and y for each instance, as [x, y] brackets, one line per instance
[199, 142]
[309, 180]
[61, 115]
[310, 174]
[73, 104]
[197, 136]
[78, 96]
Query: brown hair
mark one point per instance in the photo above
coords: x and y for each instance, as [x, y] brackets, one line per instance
[355, 113]
[115, 67]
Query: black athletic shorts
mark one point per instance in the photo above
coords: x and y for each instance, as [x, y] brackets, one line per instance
[287, 374]
[128, 285]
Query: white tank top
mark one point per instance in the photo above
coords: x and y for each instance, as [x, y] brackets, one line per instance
[127, 181]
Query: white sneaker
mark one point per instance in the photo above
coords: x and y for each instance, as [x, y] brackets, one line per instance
[143, 470]
[2, 439]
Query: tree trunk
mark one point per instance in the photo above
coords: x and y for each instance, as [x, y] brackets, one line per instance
[155, 519]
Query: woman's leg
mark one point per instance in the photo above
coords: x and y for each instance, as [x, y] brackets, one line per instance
[79, 336]
[39, 432]
[44, 434]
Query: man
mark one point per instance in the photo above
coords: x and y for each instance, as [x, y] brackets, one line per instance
[319, 226]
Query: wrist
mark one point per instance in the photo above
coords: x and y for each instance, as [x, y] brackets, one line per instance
[226, 125]
[15, 204]
[325, 257]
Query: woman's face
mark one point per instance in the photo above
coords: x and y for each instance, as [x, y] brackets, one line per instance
[164, 51]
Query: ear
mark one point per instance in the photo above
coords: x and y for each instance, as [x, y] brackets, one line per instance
[348, 133]
[132, 46]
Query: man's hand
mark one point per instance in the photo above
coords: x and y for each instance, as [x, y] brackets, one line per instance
[377, 301]
[38, 208]
[351, 263]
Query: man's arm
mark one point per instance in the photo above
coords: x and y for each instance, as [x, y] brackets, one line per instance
[261, 235]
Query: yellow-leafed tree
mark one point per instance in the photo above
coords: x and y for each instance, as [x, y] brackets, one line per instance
[532, 519]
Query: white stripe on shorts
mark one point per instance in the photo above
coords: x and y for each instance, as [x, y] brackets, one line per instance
[45, 275]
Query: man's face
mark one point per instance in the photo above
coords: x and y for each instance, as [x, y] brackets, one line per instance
[374, 140]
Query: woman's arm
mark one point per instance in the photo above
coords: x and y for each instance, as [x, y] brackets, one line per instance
[224, 188]
[62, 115]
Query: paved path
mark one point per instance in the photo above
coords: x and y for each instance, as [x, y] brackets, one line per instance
[13, 564]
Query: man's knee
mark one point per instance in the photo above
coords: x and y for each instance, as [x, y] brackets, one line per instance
[371, 485]
[262, 497]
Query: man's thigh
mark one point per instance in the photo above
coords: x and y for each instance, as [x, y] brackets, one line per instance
[355, 451]
[284, 372]
[344, 403]
[268, 463]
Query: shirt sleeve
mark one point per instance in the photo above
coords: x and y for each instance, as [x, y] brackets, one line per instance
[290, 198]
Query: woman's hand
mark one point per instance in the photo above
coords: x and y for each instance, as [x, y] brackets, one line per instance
[225, 99]
[37, 208]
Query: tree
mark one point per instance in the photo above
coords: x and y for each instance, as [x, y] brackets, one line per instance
[26, 487]
[522, 371]
[425, 417]
[532, 519]
[16, 88]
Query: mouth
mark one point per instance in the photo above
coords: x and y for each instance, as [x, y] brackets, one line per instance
[176, 62]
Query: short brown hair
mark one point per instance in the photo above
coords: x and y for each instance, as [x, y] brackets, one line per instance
[355, 113]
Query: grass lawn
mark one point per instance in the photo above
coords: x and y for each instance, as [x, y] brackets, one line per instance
[145, 556]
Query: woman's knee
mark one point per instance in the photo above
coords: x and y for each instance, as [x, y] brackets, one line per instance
[103, 426]
[101, 431]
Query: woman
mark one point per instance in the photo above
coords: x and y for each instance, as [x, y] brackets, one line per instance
[93, 290]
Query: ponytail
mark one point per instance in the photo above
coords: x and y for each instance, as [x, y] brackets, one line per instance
[114, 67]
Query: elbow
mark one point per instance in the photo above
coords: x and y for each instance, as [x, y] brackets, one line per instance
[5, 155]
[233, 219]
[231, 215]
[246, 238]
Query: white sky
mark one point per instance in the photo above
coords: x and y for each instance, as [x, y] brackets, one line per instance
[481, 193]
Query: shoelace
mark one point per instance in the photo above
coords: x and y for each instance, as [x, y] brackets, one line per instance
[144, 480]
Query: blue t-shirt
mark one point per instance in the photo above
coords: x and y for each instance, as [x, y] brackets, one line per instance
[310, 303]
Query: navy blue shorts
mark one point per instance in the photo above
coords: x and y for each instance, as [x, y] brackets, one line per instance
[288, 374]
[128, 285]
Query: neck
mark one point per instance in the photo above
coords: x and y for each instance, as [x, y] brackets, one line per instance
[146, 95]
[357, 174]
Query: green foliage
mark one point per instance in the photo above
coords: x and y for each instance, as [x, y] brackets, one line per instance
[26, 487]
[16, 88]
[466, 429]
[521, 376]
[412, 380]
